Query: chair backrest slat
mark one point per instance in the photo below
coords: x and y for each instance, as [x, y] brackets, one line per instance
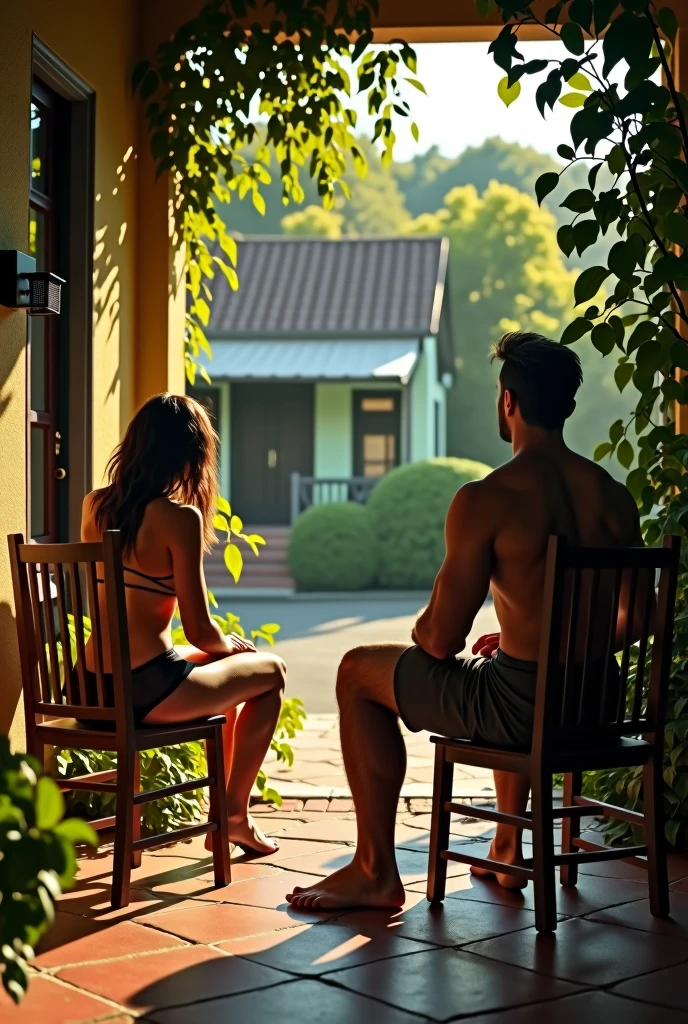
[611, 639]
[571, 638]
[589, 642]
[627, 643]
[39, 639]
[54, 682]
[78, 616]
[96, 630]
[588, 650]
[63, 619]
[51, 604]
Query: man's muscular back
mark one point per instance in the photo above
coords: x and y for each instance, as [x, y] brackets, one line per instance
[534, 496]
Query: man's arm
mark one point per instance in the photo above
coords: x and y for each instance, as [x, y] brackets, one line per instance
[463, 581]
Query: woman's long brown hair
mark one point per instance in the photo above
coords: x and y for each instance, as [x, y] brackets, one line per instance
[169, 450]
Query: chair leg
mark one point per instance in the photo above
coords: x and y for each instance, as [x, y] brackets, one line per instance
[136, 855]
[570, 827]
[543, 853]
[653, 800]
[124, 828]
[217, 811]
[439, 827]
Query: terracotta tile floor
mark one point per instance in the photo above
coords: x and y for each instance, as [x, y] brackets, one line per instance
[186, 953]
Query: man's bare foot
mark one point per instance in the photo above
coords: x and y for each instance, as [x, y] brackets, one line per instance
[506, 856]
[351, 887]
[244, 833]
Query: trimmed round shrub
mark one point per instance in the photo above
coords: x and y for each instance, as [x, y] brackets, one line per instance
[333, 547]
[408, 509]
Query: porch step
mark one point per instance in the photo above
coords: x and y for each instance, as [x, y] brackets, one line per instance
[270, 570]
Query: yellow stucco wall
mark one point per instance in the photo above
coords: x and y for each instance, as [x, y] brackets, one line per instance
[98, 41]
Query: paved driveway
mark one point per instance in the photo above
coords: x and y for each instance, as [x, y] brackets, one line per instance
[316, 633]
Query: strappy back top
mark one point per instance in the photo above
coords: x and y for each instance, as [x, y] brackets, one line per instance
[165, 589]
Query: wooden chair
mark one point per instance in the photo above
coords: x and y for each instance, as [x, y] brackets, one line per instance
[584, 721]
[56, 695]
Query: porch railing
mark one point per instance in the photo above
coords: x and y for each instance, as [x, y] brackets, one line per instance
[312, 490]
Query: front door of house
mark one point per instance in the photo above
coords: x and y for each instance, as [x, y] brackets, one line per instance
[272, 437]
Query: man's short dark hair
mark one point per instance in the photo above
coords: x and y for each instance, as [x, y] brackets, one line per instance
[542, 375]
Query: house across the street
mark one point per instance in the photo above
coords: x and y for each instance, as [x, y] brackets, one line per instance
[330, 367]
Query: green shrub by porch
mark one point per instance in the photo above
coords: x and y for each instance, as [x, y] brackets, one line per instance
[333, 547]
[408, 508]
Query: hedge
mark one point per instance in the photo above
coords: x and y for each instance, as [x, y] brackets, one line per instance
[407, 508]
[333, 547]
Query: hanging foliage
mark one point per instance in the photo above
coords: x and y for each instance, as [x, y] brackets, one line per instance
[616, 68]
[225, 81]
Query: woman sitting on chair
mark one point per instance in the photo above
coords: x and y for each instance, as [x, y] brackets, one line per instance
[161, 497]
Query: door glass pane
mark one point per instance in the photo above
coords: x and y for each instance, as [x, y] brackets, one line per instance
[378, 454]
[37, 238]
[37, 355]
[38, 482]
[377, 404]
[39, 148]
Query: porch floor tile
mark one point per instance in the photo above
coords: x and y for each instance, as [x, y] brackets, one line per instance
[184, 952]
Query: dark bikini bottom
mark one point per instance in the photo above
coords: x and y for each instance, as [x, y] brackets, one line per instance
[152, 682]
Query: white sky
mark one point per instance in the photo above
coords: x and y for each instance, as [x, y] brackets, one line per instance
[462, 107]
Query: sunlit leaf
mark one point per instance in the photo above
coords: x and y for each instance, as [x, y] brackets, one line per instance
[506, 93]
[234, 560]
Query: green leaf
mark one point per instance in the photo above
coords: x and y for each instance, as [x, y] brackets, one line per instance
[76, 831]
[572, 38]
[565, 239]
[416, 85]
[636, 481]
[138, 74]
[234, 560]
[508, 94]
[616, 160]
[624, 453]
[650, 357]
[678, 355]
[676, 229]
[220, 522]
[602, 449]
[628, 38]
[668, 22]
[202, 310]
[616, 431]
[49, 803]
[621, 260]
[545, 184]
[623, 374]
[603, 338]
[149, 84]
[575, 330]
[580, 200]
[579, 80]
[258, 202]
[585, 233]
[414, 131]
[580, 11]
[236, 525]
[565, 152]
[572, 99]
[643, 332]
[589, 283]
[223, 505]
[270, 627]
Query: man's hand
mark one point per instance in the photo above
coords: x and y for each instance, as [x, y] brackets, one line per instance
[486, 645]
[240, 645]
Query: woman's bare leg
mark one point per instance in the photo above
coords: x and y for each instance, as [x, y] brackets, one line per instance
[218, 687]
[512, 798]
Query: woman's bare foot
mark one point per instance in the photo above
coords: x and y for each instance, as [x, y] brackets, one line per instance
[507, 855]
[351, 887]
[244, 832]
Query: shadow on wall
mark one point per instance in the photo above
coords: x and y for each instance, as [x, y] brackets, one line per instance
[107, 283]
[11, 692]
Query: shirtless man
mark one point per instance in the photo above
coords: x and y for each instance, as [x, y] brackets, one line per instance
[496, 539]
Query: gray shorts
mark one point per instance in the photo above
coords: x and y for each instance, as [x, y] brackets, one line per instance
[485, 699]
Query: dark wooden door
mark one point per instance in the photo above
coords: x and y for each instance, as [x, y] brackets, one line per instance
[272, 437]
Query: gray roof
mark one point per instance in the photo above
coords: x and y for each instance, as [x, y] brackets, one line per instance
[306, 359]
[319, 287]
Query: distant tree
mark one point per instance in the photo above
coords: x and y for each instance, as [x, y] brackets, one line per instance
[506, 273]
[314, 220]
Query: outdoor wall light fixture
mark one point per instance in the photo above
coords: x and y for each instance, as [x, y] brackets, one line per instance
[23, 287]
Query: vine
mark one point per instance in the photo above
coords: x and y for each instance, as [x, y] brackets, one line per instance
[224, 82]
[637, 131]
